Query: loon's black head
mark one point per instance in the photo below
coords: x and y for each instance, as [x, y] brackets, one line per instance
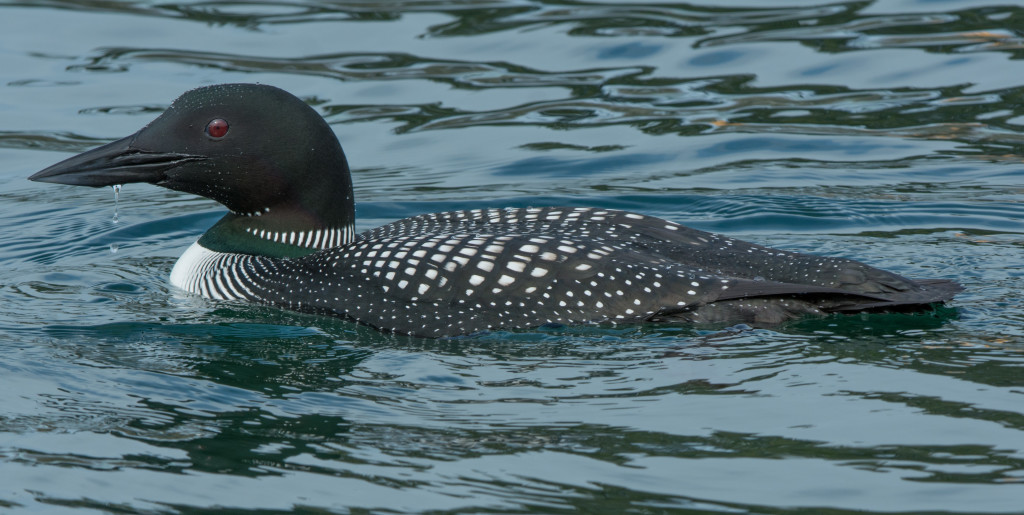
[256, 149]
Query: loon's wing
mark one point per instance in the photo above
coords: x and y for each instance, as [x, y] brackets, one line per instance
[451, 284]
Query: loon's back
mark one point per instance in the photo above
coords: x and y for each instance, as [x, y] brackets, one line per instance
[461, 272]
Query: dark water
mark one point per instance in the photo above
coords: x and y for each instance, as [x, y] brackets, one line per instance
[887, 131]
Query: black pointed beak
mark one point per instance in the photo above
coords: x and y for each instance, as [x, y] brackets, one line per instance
[114, 163]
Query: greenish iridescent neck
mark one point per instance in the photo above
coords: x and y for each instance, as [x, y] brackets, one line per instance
[284, 235]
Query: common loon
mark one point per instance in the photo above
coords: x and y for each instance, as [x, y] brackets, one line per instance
[289, 240]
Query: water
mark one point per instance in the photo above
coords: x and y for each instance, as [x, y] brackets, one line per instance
[117, 197]
[888, 131]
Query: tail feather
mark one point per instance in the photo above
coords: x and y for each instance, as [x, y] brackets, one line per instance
[929, 291]
[769, 304]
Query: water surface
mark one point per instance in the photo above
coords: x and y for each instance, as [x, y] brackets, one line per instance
[886, 131]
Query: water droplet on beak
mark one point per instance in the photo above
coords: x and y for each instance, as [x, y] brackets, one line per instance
[117, 194]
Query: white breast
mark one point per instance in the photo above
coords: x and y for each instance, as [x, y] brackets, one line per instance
[214, 275]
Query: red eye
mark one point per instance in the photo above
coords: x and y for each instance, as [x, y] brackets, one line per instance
[217, 128]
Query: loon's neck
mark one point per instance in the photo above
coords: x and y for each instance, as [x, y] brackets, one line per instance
[279, 233]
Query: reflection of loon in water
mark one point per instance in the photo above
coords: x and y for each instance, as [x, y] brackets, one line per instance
[290, 241]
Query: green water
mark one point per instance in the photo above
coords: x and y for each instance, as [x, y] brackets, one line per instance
[885, 131]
